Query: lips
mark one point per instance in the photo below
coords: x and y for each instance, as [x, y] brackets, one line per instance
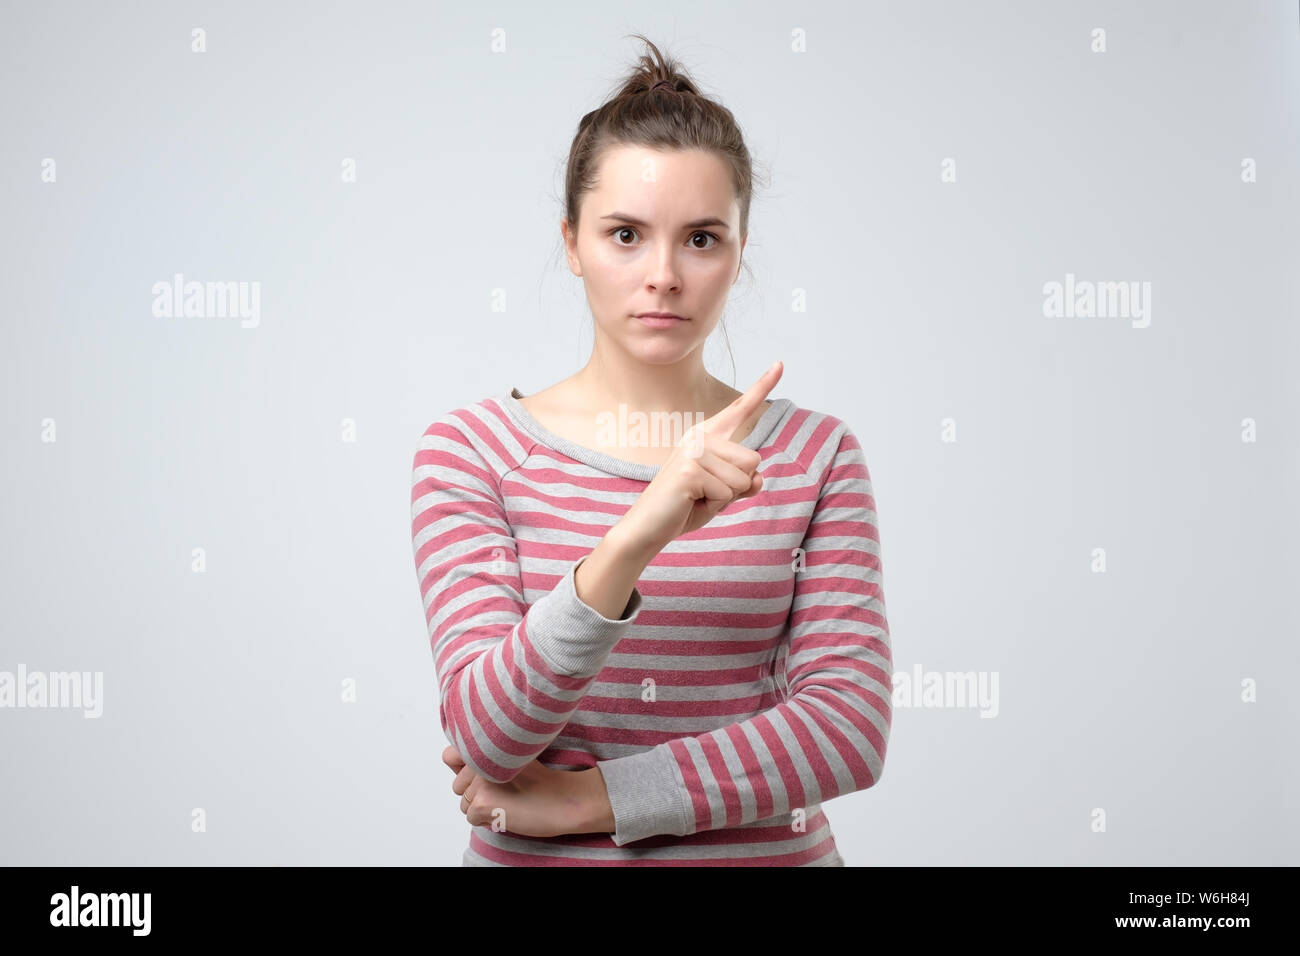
[661, 320]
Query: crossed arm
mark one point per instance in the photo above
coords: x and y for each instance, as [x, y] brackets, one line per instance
[827, 737]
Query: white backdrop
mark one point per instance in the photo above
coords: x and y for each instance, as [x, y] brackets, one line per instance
[210, 516]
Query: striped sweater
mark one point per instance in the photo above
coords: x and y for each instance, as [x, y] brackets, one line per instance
[747, 681]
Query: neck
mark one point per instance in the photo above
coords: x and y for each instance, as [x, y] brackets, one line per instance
[608, 380]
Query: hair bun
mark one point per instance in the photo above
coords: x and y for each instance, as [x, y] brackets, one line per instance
[690, 119]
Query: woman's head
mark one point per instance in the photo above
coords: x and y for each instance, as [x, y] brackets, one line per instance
[657, 197]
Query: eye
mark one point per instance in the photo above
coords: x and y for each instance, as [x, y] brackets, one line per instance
[622, 229]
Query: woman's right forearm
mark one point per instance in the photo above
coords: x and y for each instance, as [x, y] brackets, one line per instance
[605, 580]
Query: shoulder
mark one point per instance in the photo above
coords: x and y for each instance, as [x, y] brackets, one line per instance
[479, 435]
[820, 440]
[819, 428]
[466, 420]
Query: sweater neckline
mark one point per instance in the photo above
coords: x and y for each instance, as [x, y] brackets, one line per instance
[763, 429]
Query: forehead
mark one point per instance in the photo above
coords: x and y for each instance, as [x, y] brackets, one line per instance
[665, 180]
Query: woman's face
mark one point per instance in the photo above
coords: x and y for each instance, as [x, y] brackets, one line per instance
[658, 233]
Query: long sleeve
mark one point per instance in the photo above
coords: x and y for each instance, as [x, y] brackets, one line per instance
[829, 733]
[509, 675]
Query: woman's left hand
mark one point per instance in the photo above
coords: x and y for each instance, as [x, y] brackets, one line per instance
[538, 802]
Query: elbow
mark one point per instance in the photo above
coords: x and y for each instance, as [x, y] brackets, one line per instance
[453, 719]
[877, 763]
[873, 750]
[867, 774]
[459, 759]
[491, 772]
[877, 772]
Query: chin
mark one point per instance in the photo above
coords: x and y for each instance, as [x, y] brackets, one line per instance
[660, 352]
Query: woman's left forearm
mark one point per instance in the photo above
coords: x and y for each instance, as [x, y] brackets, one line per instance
[595, 814]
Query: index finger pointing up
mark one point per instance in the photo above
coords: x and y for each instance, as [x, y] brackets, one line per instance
[729, 420]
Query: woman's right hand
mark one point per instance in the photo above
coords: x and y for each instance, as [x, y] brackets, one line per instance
[704, 474]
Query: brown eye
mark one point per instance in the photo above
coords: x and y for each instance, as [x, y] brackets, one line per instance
[708, 235]
[619, 232]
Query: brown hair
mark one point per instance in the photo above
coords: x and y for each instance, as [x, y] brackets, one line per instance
[675, 115]
[657, 105]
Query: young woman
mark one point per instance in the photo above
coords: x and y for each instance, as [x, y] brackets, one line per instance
[653, 647]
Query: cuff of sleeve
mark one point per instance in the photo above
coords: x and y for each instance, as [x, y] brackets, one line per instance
[573, 636]
[647, 794]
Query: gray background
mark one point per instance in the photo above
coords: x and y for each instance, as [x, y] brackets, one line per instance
[1119, 691]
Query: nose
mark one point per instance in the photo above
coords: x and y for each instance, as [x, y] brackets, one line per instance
[663, 271]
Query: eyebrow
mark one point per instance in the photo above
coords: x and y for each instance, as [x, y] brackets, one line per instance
[695, 224]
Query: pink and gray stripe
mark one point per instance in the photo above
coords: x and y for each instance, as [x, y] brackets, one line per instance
[747, 681]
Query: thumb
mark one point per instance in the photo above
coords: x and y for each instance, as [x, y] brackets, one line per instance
[451, 757]
[755, 486]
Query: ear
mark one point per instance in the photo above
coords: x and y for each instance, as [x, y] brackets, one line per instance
[570, 248]
[743, 239]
